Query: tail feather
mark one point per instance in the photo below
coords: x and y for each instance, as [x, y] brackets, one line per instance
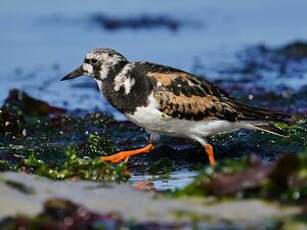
[271, 129]
[253, 113]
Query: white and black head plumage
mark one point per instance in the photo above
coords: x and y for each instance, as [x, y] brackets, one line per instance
[124, 88]
[99, 64]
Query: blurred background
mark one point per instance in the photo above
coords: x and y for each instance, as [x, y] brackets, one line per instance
[223, 40]
[255, 50]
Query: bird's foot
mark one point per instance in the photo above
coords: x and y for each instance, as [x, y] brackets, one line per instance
[210, 153]
[124, 155]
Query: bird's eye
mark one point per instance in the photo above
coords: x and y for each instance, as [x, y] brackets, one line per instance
[94, 61]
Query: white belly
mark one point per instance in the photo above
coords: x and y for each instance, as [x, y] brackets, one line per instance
[151, 119]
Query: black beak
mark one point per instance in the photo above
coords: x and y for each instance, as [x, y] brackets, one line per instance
[76, 73]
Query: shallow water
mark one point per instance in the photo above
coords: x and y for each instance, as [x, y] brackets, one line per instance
[173, 180]
[41, 41]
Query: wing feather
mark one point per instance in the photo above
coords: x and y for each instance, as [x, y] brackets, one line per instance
[184, 96]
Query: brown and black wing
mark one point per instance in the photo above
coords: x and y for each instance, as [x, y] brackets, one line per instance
[184, 96]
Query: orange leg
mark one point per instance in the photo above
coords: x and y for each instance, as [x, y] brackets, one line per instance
[124, 155]
[210, 153]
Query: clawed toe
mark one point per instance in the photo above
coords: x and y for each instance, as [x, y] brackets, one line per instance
[116, 158]
[125, 155]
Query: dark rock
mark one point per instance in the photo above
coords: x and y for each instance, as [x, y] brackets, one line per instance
[30, 105]
[283, 180]
[65, 215]
[11, 124]
[138, 22]
[295, 50]
[253, 177]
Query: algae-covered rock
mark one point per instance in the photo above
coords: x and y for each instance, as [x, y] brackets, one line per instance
[36, 138]
[284, 180]
[11, 124]
[30, 105]
[78, 168]
[43, 139]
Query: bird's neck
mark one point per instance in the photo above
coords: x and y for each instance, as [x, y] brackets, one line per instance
[108, 71]
[106, 83]
[106, 75]
[124, 90]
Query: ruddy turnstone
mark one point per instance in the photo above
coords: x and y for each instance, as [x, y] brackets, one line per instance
[166, 100]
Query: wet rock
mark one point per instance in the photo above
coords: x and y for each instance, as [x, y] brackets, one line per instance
[17, 106]
[64, 214]
[30, 105]
[255, 176]
[256, 179]
[88, 203]
[41, 139]
[296, 50]
[231, 184]
[12, 124]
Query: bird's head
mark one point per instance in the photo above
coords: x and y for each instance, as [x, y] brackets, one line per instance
[99, 64]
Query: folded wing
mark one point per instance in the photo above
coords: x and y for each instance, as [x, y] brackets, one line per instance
[184, 96]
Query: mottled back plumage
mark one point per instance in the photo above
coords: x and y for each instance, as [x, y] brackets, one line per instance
[184, 96]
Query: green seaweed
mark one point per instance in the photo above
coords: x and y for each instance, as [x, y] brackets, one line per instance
[98, 145]
[37, 142]
[38, 138]
[77, 167]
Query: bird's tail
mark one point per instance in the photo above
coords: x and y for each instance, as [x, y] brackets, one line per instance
[269, 128]
[261, 119]
[253, 113]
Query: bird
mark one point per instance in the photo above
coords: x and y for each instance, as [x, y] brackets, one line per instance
[168, 101]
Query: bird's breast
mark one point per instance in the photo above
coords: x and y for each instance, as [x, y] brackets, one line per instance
[125, 94]
[152, 119]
